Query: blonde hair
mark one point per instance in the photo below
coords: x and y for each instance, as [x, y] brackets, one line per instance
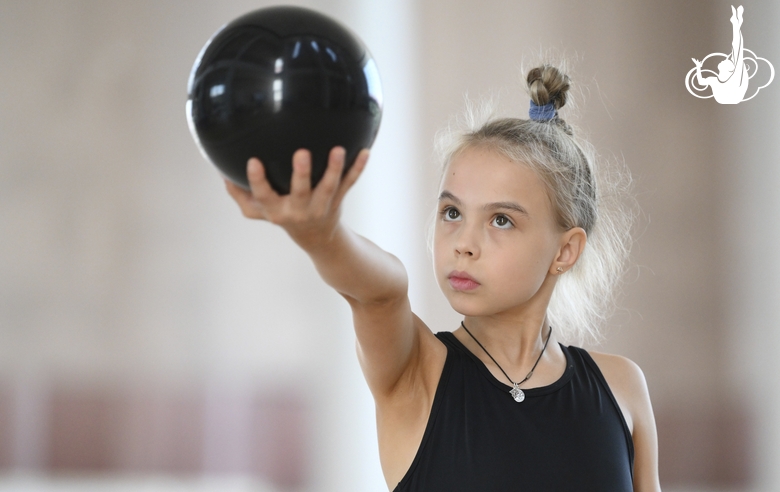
[583, 193]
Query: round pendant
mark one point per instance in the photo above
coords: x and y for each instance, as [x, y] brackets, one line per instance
[517, 394]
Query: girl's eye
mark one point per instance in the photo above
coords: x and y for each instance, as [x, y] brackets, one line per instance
[450, 214]
[502, 222]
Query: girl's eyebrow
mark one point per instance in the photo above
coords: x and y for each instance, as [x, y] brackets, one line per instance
[446, 195]
[507, 206]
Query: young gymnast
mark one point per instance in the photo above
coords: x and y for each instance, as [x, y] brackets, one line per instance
[524, 249]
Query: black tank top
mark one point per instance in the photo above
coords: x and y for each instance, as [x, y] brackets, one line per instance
[570, 435]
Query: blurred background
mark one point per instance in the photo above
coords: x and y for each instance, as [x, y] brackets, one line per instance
[153, 339]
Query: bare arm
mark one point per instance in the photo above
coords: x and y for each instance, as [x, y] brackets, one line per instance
[628, 384]
[373, 281]
[645, 435]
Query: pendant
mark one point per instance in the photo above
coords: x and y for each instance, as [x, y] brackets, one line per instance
[517, 393]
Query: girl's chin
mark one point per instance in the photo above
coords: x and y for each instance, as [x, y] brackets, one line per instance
[468, 307]
[478, 306]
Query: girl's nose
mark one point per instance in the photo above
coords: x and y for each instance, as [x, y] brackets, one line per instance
[464, 251]
[467, 244]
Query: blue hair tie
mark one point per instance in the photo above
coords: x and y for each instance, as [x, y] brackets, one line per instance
[542, 113]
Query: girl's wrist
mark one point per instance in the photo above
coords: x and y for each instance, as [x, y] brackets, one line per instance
[316, 241]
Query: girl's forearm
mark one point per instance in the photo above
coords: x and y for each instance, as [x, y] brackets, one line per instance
[359, 269]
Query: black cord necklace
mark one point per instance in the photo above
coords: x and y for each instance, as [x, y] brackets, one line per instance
[516, 392]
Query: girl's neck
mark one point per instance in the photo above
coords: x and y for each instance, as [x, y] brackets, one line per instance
[515, 340]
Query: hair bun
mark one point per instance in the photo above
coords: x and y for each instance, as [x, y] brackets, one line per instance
[548, 84]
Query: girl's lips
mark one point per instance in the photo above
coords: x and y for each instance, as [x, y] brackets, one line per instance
[462, 281]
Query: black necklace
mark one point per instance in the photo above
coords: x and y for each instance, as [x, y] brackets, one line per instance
[516, 392]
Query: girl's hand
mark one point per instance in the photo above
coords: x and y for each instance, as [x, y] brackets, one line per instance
[697, 62]
[309, 216]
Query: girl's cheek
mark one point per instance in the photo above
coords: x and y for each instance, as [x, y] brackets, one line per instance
[437, 247]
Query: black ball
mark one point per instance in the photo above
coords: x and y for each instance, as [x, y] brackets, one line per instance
[277, 80]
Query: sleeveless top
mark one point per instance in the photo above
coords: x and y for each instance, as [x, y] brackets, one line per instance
[570, 435]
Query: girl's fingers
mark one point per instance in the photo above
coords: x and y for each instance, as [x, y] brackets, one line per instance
[262, 201]
[250, 207]
[239, 195]
[329, 183]
[352, 176]
[258, 184]
[300, 184]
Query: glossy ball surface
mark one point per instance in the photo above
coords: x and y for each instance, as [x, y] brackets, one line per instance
[277, 80]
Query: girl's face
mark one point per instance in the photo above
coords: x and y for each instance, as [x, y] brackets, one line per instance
[495, 237]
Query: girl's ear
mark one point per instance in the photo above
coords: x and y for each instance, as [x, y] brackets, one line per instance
[572, 244]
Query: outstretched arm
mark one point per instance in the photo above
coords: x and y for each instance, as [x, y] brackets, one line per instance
[373, 281]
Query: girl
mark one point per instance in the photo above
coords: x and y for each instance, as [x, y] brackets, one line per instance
[498, 404]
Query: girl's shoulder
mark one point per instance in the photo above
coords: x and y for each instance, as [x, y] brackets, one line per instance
[627, 383]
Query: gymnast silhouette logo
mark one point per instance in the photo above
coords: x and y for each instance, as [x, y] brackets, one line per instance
[730, 84]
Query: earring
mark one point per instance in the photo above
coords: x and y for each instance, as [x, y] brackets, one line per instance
[560, 270]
